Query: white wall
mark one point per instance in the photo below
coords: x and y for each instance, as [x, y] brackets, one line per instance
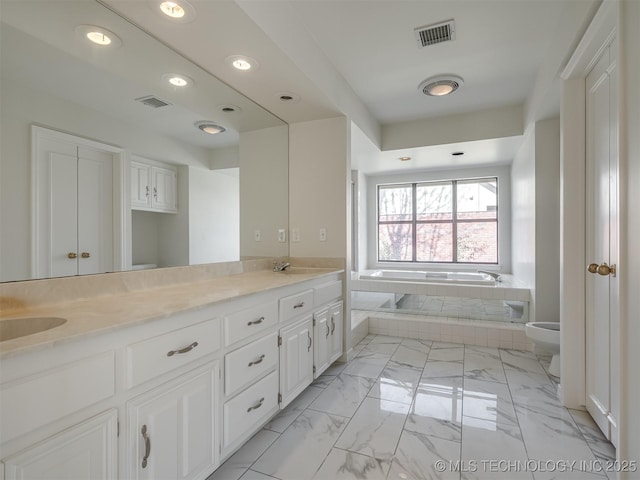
[264, 194]
[22, 106]
[535, 203]
[319, 178]
[547, 208]
[504, 209]
[145, 237]
[174, 228]
[214, 215]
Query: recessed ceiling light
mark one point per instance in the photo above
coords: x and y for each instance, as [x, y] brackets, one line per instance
[178, 79]
[176, 10]
[288, 97]
[441, 85]
[210, 127]
[98, 35]
[457, 154]
[229, 108]
[242, 62]
[404, 159]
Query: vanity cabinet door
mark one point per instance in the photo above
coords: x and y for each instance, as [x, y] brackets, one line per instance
[140, 185]
[322, 339]
[87, 450]
[172, 429]
[335, 321]
[164, 189]
[296, 359]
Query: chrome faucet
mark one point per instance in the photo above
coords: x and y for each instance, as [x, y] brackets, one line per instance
[280, 266]
[496, 276]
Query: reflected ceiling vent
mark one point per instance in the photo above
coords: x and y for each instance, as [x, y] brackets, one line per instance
[436, 33]
[151, 101]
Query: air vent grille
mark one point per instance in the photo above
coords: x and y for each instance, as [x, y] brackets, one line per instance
[437, 33]
[151, 101]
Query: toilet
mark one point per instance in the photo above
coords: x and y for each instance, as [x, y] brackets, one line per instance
[547, 336]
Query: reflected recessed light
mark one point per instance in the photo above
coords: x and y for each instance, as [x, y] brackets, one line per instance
[210, 127]
[229, 108]
[176, 10]
[404, 159]
[98, 35]
[242, 62]
[288, 97]
[178, 79]
[457, 154]
[441, 85]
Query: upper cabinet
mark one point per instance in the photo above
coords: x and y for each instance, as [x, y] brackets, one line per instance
[154, 186]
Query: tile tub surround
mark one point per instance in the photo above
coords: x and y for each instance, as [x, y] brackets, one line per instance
[124, 305]
[430, 401]
[483, 333]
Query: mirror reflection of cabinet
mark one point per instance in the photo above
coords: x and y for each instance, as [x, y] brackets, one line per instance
[153, 186]
[75, 198]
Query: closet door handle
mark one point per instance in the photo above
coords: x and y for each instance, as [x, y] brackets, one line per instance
[147, 446]
[85, 255]
[72, 255]
[186, 349]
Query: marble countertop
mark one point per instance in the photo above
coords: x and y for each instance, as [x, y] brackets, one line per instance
[98, 315]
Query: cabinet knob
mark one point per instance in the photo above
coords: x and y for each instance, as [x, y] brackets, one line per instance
[72, 255]
[85, 255]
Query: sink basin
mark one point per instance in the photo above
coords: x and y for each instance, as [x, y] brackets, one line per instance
[20, 327]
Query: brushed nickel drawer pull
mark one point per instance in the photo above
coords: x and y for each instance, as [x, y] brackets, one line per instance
[333, 325]
[256, 322]
[147, 446]
[299, 305]
[255, 362]
[309, 346]
[255, 407]
[182, 350]
[328, 330]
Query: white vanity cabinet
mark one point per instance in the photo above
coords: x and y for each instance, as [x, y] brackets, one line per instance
[322, 332]
[296, 359]
[172, 429]
[154, 186]
[336, 324]
[87, 450]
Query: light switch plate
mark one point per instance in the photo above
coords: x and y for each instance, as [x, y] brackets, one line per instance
[323, 234]
[282, 235]
[257, 235]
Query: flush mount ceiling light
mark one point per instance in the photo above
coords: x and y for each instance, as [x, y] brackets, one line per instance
[176, 10]
[98, 35]
[404, 159]
[210, 127]
[178, 79]
[441, 85]
[242, 62]
[288, 97]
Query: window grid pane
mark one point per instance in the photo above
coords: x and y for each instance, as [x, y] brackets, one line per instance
[395, 203]
[477, 242]
[395, 242]
[434, 242]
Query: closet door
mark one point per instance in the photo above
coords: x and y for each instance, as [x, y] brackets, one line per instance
[95, 211]
[56, 200]
[601, 282]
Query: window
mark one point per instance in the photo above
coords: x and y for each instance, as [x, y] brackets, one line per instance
[452, 221]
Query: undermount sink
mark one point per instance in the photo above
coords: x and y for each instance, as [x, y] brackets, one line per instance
[21, 327]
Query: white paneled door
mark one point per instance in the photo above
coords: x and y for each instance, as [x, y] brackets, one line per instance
[602, 244]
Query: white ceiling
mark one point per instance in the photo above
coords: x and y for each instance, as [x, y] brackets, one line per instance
[360, 57]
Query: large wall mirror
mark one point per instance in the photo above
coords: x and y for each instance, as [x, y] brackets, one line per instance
[98, 145]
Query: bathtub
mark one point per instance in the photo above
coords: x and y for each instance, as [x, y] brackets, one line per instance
[468, 278]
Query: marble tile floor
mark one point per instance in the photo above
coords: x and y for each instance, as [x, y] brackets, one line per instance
[415, 409]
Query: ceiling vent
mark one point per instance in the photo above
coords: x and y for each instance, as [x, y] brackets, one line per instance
[151, 101]
[436, 33]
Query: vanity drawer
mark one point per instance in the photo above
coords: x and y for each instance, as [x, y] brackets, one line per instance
[240, 325]
[327, 292]
[32, 402]
[161, 354]
[245, 364]
[296, 305]
[250, 409]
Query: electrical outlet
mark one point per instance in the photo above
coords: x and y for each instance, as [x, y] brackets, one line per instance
[257, 236]
[323, 234]
[282, 235]
[295, 234]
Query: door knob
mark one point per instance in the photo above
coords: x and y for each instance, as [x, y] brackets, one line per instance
[605, 270]
[72, 255]
[593, 268]
[85, 255]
